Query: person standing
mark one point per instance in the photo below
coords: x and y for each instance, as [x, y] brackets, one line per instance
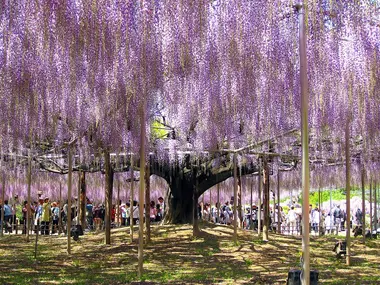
[7, 217]
[45, 217]
[55, 217]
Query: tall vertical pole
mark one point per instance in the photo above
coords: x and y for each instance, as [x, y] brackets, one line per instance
[348, 199]
[69, 186]
[2, 205]
[375, 204]
[370, 207]
[131, 201]
[29, 209]
[250, 206]
[235, 197]
[363, 205]
[147, 203]
[218, 203]
[118, 203]
[305, 278]
[259, 202]
[60, 209]
[77, 222]
[266, 199]
[320, 212]
[142, 188]
[278, 204]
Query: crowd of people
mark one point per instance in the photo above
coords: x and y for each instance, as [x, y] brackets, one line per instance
[320, 221]
[51, 217]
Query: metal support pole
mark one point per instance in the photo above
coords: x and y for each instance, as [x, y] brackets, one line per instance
[305, 276]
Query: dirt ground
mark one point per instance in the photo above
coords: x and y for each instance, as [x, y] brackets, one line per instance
[174, 256]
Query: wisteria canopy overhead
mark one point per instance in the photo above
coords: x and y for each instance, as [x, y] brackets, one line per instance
[219, 73]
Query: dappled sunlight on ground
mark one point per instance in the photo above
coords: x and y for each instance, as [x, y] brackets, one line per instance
[174, 256]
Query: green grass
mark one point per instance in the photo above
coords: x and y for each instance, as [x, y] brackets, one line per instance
[174, 256]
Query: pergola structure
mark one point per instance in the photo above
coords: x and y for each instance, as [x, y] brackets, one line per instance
[80, 80]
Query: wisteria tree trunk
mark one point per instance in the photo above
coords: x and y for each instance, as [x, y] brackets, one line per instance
[186, 186]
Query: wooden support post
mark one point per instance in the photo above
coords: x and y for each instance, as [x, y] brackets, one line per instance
[305, 277]
[83, 198]
[218, 203]
[375, 204]
[259, 202]
[2, 204]
[60, 209]
[69, 186]
[118, 204]
[147, 203]
[29, 209]
[278, 204]
[348, 199]
[250, 207]
[370, 207]
[266, 199]
[363, 205]
[239, 201]
[320, 213]
[77, 217]
[141, 192]
[235, 198]
[131, 201]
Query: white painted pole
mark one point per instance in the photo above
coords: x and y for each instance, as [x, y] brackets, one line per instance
[305, 276]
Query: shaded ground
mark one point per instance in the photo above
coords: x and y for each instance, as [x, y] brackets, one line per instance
[175, 257]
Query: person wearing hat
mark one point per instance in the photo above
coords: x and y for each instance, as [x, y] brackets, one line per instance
[45, 217]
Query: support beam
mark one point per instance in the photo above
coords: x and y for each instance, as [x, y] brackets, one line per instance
[29, 209]
[266, 199]
[278, 204]
[131, 201]
[375, 204]
[348, 199]
[363, 205]
[141, 192]
[305, 280]
[259, 202]
[235, 198]
[370, 207]
[69, 186]
[147, 203]
[218, 203]
[2, 203]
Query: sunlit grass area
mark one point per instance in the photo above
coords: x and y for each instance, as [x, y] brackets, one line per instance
[176, 257]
